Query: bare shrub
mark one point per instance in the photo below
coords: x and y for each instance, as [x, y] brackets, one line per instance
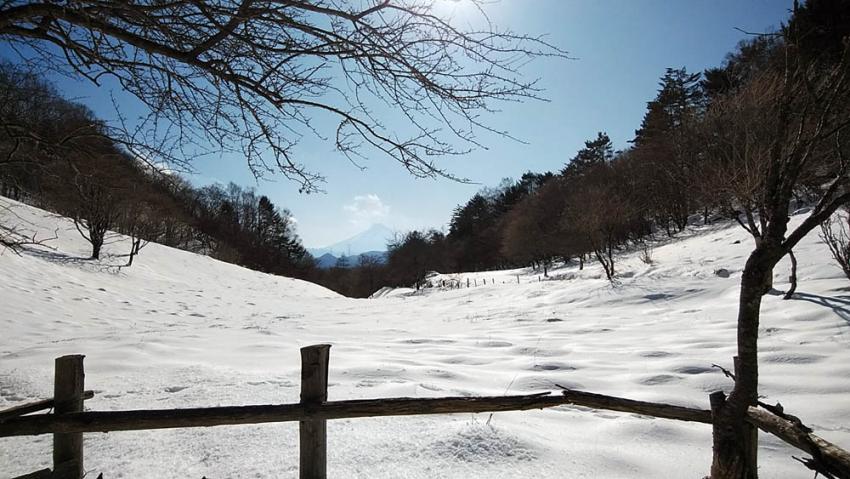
[646, 253]
[835, 232]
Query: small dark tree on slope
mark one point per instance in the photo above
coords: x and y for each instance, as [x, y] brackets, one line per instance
[95, 216]
[835, 232]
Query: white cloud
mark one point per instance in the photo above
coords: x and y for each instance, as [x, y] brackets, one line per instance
[367, 209]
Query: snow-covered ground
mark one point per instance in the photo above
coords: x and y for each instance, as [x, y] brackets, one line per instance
[180, 330]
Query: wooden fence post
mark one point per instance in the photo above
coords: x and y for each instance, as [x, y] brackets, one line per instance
[314, 390]
[68, 385]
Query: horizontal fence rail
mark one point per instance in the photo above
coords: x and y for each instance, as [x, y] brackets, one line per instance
[133, 420]
[35, 406]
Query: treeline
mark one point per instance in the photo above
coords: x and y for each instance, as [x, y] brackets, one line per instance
[701, 152]
[57, 155]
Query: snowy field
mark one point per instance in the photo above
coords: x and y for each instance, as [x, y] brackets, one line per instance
[181, 330]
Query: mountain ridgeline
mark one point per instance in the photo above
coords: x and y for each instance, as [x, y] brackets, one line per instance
[346, 253]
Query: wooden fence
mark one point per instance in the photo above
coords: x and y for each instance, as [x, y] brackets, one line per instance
[69, 421]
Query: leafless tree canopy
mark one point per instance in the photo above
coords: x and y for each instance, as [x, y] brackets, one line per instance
[835, 232]
[250, 77]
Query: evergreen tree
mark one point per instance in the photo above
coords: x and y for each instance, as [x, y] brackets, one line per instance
[664, 145]
[595, 152]
[677, 99]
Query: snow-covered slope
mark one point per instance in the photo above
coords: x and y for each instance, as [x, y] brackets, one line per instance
[180, 330]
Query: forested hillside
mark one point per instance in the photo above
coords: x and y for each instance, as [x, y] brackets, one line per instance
[708, 148]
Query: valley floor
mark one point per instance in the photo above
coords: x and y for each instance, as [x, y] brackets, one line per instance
[181, 330]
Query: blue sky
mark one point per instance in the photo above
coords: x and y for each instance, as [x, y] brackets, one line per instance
[621, 48]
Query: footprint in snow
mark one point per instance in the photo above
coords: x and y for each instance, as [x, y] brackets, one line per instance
[496, 344]
[656, 354]
[441, 373]
[794, 358]
[554, 366]
[657, 296]
[659, 379]
[428, 341]
[694, 370]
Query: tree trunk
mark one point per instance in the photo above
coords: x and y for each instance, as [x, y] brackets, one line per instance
[682, 222]
[96, 245]
[793, 277]
[606, 262]
[767, 284]
[135, 247]
[734, 454]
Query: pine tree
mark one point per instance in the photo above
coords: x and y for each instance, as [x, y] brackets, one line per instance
[679, 97]
[595, 152]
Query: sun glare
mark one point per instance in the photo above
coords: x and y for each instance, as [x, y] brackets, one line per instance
[456, 9]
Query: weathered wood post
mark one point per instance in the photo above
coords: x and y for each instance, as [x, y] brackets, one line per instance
[68, 385]
[314, 390]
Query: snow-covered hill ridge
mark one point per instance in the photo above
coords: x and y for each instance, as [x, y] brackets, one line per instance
[180, 330]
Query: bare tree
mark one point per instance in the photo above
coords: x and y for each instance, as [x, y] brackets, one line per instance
[249, 76]
[600, 214]
[37, 128]
[140, 220]
[783, 130]
[95, 213]
[15, 233]
[90, 187]
[532, 230]
[835, 232]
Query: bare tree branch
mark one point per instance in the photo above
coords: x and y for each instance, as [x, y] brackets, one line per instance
[248, 77]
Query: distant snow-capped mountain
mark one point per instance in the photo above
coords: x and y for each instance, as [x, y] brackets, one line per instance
[374, 239]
